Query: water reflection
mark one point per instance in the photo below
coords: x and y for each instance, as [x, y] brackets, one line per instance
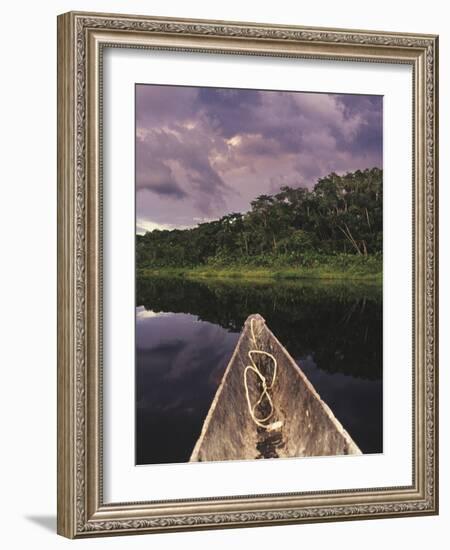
[180, 362]
[186, 332]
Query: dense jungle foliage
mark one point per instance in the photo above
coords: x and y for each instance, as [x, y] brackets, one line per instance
[341, 217]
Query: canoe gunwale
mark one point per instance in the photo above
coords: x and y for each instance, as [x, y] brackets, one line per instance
[231, 362]
[350, 445]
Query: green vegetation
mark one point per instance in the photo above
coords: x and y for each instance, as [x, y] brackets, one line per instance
[318, 266]
[333, 231]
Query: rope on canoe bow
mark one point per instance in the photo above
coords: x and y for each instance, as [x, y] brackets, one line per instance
[265, 386]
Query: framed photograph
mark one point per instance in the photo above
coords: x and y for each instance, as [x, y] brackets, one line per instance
[247, 276]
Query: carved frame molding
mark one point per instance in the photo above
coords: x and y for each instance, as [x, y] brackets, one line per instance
[81, 39]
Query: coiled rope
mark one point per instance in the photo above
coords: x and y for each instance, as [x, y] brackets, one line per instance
[265, 387]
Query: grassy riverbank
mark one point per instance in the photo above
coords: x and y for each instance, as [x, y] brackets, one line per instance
[338, 267]
[334, 231]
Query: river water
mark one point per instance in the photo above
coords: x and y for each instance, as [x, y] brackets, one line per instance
[186, 332]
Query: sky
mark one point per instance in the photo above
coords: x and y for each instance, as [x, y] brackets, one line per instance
[202, 153]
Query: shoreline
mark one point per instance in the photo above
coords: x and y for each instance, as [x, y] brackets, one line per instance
[313, 273]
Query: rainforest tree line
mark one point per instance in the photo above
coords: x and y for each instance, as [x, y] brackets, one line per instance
[340, 215]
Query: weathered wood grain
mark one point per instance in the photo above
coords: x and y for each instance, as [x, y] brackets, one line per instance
[309, 428]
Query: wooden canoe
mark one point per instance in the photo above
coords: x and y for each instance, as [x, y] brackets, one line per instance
[301, 424]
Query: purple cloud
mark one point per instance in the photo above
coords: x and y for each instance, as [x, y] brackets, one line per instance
[203, 152]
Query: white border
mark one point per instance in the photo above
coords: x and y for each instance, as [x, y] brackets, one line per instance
[123, 481]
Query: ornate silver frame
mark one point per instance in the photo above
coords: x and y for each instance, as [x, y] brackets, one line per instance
[81, 38]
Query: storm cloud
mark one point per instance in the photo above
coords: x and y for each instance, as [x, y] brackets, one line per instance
[205, 152]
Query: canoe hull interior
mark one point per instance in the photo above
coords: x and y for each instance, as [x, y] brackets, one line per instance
[305, 425]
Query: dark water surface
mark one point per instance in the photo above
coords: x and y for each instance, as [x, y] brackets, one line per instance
[186, 332]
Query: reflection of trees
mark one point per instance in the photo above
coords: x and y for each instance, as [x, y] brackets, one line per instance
[339, 325]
